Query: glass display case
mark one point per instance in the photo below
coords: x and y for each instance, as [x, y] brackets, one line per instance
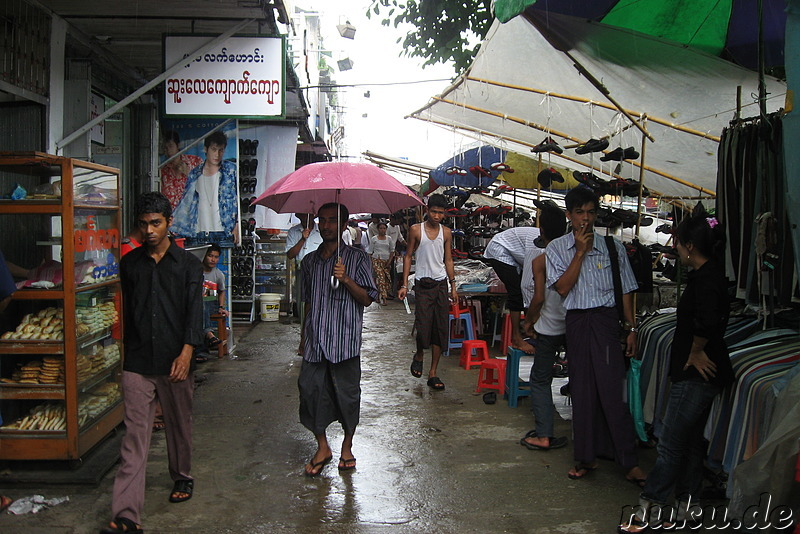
[61, 336]
[273, 268]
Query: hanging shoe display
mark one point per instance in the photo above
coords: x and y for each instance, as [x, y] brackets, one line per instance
[592, 145]
[547, 145]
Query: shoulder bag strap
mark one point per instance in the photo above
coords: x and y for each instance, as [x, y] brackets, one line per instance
[614, 256]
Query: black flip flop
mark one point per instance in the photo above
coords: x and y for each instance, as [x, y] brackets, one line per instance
[182, 486]
[122, 525]
[416, 368]
[578, 468]
[555, 443]
[349, 464]
[436, 383]
[322, 463]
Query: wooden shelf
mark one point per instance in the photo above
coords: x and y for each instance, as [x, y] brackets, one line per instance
[31, 347]
[39, 294]
[31, 391]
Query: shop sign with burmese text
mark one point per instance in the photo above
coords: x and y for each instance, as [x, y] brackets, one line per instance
[242, 77]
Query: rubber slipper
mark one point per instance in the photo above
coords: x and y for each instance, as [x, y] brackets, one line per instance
[122, 525]
[213, 341]
[578, 469]
[555, 443]
[316, 468]
[490, 397]
[201, 359]
[416, 368]
[436, 383]
[347, 464]
[182, 486]
[530, 434]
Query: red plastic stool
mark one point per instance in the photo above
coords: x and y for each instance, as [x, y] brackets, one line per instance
[505, 338]
[492, 375]
[481, 352]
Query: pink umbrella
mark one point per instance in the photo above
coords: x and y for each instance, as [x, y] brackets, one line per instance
[361, 187]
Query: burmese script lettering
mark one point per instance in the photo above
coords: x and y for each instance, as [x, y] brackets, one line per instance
[226, 88]
[224, 57]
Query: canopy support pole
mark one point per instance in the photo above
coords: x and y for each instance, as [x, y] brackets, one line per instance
[662, 122]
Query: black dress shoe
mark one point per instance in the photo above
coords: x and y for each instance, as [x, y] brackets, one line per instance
[665, 228]
[630, 153]
[548, 176]
[614, 155]
[547, 145]
[588, 179]
[592, 145]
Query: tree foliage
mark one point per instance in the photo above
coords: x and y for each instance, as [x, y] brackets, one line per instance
[445, 30]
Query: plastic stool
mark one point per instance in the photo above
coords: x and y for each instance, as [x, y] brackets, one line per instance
[497, 336]
[515, 386]
[505, 339]
[457, 316]
[480, 348]
[492, 375]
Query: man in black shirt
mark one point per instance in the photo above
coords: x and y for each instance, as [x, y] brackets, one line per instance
[163, 310]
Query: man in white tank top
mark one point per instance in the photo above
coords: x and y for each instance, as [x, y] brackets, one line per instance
[432, 242]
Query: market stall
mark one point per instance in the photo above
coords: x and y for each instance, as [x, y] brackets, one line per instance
[61, 343]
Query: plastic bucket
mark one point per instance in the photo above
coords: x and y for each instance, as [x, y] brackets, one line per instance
[270, 306]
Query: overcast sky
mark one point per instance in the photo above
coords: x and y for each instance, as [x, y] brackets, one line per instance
[375, 56]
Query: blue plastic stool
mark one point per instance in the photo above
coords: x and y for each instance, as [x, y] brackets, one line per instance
[515, 386]
[468, 332]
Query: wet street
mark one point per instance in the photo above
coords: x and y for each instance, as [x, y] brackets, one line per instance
[428, 461]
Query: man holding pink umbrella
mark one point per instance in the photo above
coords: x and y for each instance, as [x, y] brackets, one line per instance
[330, 376]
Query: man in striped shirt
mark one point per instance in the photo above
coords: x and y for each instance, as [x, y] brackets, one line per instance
[330, 376]
[579, 269]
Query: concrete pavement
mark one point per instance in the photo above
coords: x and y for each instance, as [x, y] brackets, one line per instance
[427, 461]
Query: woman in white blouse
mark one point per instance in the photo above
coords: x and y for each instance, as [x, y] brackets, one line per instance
[381, 248]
